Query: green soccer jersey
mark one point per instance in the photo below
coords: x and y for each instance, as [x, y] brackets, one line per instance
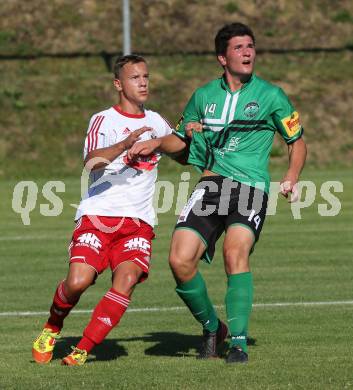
[239, 128]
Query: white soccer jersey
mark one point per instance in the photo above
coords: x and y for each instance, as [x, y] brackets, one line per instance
[122, 188]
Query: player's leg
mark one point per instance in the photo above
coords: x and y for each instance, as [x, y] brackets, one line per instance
[66, 296]
[236, 249]
[243, 227]
[186, 250]
[129, 255]
[80, 276]
[198, 228]
[112, 306]
[88, 258]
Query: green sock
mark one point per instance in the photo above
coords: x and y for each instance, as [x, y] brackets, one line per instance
[194, 294]
[238, 306]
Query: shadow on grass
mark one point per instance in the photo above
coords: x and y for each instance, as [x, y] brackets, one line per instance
[108, 350]
[177, 344]
[171, 344]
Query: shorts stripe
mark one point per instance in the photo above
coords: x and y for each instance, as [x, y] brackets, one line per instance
[243, 226]
[195, 231]
[141, 262]
[78, 257]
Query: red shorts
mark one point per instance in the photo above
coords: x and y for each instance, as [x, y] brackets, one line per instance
[102, 241]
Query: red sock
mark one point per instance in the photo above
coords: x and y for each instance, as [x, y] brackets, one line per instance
[105, 316]
[59, 309]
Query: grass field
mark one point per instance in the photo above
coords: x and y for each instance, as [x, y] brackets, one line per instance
[296, 345]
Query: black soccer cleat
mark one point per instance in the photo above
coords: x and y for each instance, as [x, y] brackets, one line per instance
[237, 355]
[212, 341]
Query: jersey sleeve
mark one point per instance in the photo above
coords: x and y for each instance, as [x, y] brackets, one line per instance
[286, 118]
[192, 113]
[96, 137]
[163, 128]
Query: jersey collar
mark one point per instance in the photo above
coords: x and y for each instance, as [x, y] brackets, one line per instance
[128, 115]
[225, 86]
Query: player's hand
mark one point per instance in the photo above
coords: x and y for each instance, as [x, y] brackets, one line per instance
[143, 148]
[134, 137]
[191, 127]
[289, 185]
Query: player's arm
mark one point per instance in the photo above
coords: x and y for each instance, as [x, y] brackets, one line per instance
[175, 145]
[188, 123]
[99, 158]
[190, 127]
[297, 155]
[169, 144]
[288, 125]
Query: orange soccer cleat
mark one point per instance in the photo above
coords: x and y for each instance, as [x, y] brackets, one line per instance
[42, 350]
[76, 358]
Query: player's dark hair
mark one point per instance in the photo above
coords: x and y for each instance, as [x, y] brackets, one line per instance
[123, 60]
[229, 31]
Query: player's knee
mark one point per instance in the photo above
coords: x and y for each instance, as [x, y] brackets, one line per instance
[130, 279]
[181, 267]
[76, 285]
[236, 259]
[176, 262]
[237, 252]
[125, 280]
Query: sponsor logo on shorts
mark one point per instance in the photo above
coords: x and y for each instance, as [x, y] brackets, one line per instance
[251, 109]
[291, 124]
[138, 243]
[90, 240]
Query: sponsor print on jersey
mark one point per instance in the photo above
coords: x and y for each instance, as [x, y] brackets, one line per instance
[138, 243]
[90, 240]
[251, 109]
[142, 163]
[292, 124]
[232, 147]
